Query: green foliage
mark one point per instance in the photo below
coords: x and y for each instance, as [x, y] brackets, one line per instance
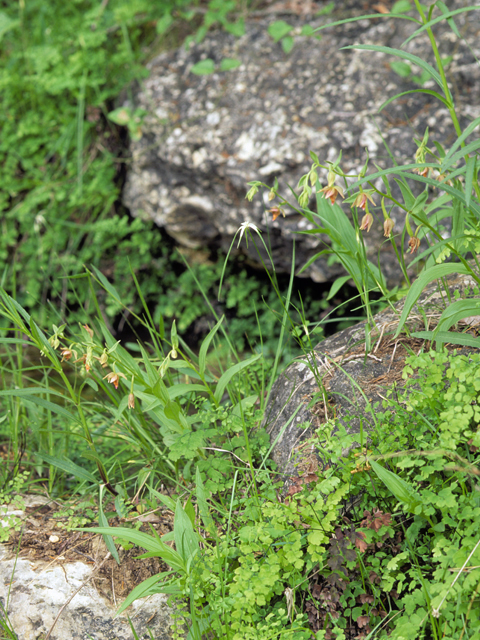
[11, 500]
[386, 542]
[447, 211]
[63, 66]
[380, 542]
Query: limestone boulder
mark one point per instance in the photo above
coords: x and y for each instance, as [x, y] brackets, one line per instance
[36, 595]
[206, 136]
[341, 380]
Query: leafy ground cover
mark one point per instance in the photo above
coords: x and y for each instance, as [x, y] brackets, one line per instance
[382, 542]
[63, 155]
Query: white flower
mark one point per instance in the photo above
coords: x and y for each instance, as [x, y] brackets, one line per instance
[243, 227]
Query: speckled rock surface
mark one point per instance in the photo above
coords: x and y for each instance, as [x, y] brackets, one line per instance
[205, 137]
[296, 399]
[34, 592]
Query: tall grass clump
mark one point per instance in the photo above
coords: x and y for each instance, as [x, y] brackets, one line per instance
[381, 542]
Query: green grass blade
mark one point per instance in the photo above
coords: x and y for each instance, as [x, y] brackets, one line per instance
[145, 541]
[202, 356]
[439, 271]
[435, 21]
[471, 127]
[450, 337]
[400, 54]
[370, 16]
[402, 491]
[469, 148]
[229, 373]
[103, 522]
[145, 588]
[186, 541]
[69, 467]
[455, 312]
[435, 94]
[471, 163]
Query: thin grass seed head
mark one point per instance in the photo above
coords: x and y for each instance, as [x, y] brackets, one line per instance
[243, 228]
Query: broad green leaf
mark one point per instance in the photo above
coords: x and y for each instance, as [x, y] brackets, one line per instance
[104, 281]
[434, 273]
[408, 197]
[279, 29]
[13, 305]
[202, 497]
[402, 491]
[307, 30]
[401, 54]
[145, 541]
[91, 383]
[46, 404]
[287, 44]
[471, 163]
[186, 542]
[69, 467]
[237, 28]
[167, 501]
[204, 67]
[456, 311]
[229, 373]
[227, 64]
[339, 226]
[164, 23]
[337, 285]
[202, 356]
[182, 389]
[43, 343]
[103, 522]
[174, 412]
[403, 69]
[90, 455]
[174, 336]
[152, 373]
[7, 24]
[160, 391]
[146, 588]
[245, 403]
[122, 117]
[401, 6]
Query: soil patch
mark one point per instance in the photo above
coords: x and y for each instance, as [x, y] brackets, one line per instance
[42, 540]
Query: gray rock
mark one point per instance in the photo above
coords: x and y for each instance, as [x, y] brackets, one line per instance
[351, 381]
[34, 592]
[205, 137]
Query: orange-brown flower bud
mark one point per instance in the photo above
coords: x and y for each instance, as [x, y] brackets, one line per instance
[332, 191]
[367, 222]
[414, 243]
[422, 172]
[114, 378]
[66, 354]
[276, 211]
[388, 227]
[88, 330]
[361, 200]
